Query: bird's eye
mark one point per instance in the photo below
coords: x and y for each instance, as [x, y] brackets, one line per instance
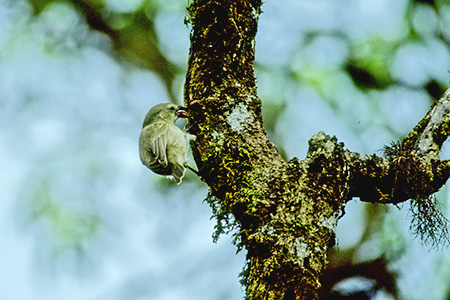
[172, 108]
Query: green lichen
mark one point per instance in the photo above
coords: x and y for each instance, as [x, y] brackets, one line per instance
[230, 162]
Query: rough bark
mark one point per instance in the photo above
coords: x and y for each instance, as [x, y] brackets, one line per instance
[286, 212]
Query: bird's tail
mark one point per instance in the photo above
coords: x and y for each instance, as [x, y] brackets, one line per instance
[178, 173]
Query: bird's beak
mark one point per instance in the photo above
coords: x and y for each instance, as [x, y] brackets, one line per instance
[181, 112]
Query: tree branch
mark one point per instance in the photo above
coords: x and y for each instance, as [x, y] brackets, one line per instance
[428, 136]
[138, 40]
[285, 212]
[412, 168]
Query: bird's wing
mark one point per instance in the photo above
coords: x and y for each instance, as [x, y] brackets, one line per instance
[156, 137]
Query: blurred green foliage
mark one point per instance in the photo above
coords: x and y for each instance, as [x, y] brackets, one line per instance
[71, 228]
[132, 33]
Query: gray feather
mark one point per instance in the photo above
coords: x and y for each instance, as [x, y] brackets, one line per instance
[162, 145]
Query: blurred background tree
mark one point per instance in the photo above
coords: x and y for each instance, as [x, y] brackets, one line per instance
[82, 219]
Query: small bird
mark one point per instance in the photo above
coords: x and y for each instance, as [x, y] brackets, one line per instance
[162, 145]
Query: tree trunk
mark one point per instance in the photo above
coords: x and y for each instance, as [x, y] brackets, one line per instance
[285, 212]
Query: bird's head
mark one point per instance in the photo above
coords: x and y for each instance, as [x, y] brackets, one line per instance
[166, 112]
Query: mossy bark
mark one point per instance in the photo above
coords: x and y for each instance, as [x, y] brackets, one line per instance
[286, 212]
